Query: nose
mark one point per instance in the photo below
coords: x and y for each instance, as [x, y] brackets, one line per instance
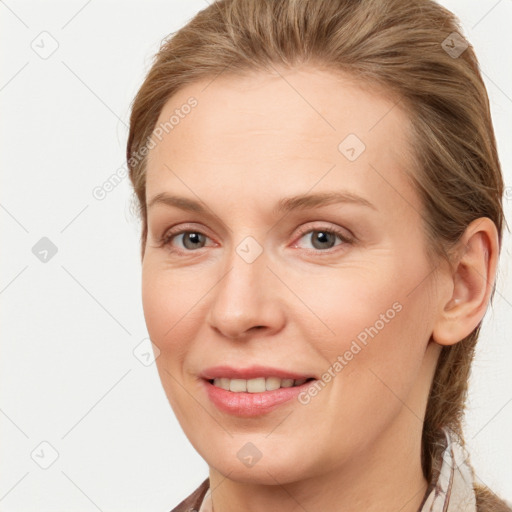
[247, 299]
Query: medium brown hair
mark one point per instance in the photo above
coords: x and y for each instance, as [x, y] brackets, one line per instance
[396, 45]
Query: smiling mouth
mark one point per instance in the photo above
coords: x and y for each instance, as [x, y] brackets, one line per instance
[256, 385]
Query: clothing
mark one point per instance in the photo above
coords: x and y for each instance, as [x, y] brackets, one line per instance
[192, 502]
[451, 490]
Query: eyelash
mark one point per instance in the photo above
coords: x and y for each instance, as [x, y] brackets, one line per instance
[166, 239]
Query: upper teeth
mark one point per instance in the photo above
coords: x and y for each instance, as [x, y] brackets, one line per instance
[257, 385]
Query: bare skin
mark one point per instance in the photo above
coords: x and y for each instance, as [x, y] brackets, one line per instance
[248, 143]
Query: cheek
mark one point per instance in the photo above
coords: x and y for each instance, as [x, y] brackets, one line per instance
[168, 308]
[167, 302]
[158, 303]
[354, 304]
[378, 323]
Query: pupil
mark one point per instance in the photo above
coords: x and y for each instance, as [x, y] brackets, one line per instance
[193, 238]
[321, 237]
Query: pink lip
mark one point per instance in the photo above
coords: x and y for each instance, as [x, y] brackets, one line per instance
[251, 372]
[251, 404]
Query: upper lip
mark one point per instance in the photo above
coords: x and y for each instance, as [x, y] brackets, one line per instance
[250, 372]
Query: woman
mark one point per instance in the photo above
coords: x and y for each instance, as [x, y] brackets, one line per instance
[336, 164]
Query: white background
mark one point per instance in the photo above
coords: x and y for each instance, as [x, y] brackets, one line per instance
[69, 326]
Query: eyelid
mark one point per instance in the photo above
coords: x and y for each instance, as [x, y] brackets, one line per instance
[324, 227]
[180, 229]
[173, 232]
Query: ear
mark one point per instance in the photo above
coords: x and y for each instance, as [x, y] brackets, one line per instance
[471, 282]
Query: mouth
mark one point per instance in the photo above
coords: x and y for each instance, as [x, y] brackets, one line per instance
[251, 397]
[253, 390]
[257, 384]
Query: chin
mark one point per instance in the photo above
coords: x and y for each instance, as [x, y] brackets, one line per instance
[267, 465]
[262, 473]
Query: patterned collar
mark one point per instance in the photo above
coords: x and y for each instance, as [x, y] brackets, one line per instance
[451, 490]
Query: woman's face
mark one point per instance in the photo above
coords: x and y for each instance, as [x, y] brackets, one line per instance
[340, 291]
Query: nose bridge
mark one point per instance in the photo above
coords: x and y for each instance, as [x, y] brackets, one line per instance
[244, 297]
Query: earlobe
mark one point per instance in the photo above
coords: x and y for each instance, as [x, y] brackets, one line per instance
[471, 282]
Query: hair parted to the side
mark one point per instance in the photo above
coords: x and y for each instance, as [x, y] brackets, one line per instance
[396, 46]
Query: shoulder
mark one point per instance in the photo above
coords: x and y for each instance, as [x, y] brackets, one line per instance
[192, 502]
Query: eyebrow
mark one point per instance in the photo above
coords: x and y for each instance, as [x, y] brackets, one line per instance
[285, 205]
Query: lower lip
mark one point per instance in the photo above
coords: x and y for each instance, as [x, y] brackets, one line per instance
[251, 404]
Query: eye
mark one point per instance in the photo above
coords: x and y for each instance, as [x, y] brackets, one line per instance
[323, 237]
[190, 240]
[193, 240]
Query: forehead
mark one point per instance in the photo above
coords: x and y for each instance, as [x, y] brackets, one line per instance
[285, 130]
